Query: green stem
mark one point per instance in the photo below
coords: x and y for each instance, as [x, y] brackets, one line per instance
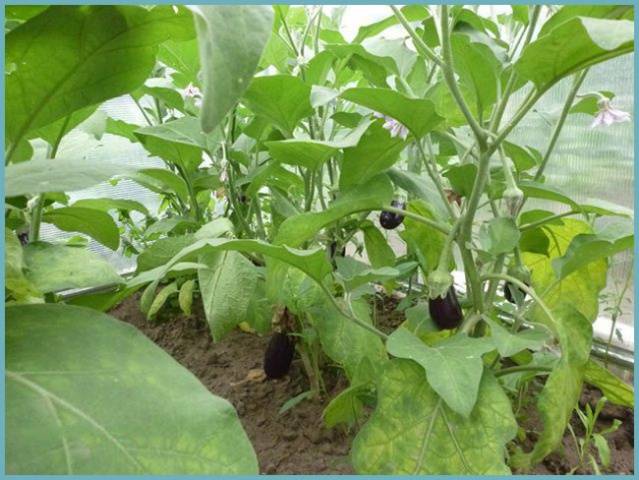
[420, 45]
[432, 173]
[578, 80]
[615, 314]
[533, 225]
[449, 76]
[530, 291]
[426, 221]
[146, 117]
[36, 214]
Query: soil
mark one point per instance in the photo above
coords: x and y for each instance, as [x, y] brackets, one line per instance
[296, 441]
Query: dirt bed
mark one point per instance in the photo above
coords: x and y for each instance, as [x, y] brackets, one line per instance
[296, 442]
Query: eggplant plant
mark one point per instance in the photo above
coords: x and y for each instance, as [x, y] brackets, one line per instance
[303, 172]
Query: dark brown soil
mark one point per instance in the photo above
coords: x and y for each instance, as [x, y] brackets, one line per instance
[296, 442]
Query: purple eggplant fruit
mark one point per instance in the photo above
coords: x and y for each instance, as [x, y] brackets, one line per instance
[509, 290]
[278, 355]
[392, 220]
[445, 311]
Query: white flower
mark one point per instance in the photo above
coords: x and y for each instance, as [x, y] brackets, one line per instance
[192, 91]
[395, 128]
[608, 115]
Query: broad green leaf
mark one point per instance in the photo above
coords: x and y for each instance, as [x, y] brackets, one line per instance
[508, 344]
[372, 195]
[185, 297]
[540, 190]
[573, 45]
[413, 432]
[589, 247]
[59, 175]
[180, 141]
[373, 67]
[524, 158]
[161, 298]
[614, 389]
[520, 13]
[109, 204]
[312, 262]
[366, 275]
[375, 153]
[176, 225]
[568, 12]
[345, 342]
[581, 288]
[427, 242]
[419, 185]
[182, 56]
[589, 104]
[282, 99]
[478, 69]
[379, 252]
[413, 13]
[54, 268]
[227, 286]
[462, 178]
[453, 366]
[231, 39]
[15, 281]
[563, 386]
[23, 12]
[499, 235]
[313, 153]
[345, 408]
[164, 90]
[101, 52]
[604, 208]
[95, 223]
[122, 129]
[163, 250]
[418, 115]
[87, 395]
[161, 180]
[321, 96]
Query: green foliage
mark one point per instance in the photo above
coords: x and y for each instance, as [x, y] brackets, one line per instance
[68, 372]
[413, 432]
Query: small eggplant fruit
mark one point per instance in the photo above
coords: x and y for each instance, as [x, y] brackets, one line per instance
[445, 311]
[278, 355]
[392, 220]
[332, 249]
[509, 289]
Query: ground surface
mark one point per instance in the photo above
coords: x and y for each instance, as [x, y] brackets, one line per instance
[296, 442]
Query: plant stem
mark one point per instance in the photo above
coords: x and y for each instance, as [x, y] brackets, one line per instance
[420, 45]
[146, 117]
[615, 313]
[449, 76]
[533, 225]
[530, 291]
[36, 214]
[578, 80]
[432, 173]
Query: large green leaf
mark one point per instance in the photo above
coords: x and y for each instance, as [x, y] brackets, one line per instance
[375, 153]
[70, 57]
[413, 432]
[231, 39]
[424, 240]
[345, 342]
[589, 247]
[109, 204]
[568, 12]
[572, 46]
[162, 251]
[180, 141]
[563, 386]
[15, 281]
[97, 224]
[162, 180]
[453, 366]
[313, 153]
[227, 286]
[369, 196]
[312, 262]
[508, 344]
[379, 252]
[87, 394]
[282, 99]
[499, 235]
[418, 115]
[615, 390]
[580, 288]
[54, 268]
[59, 175]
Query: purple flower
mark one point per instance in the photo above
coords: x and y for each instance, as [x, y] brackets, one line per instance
[395, 128]
[191, 91]
[608, 115]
